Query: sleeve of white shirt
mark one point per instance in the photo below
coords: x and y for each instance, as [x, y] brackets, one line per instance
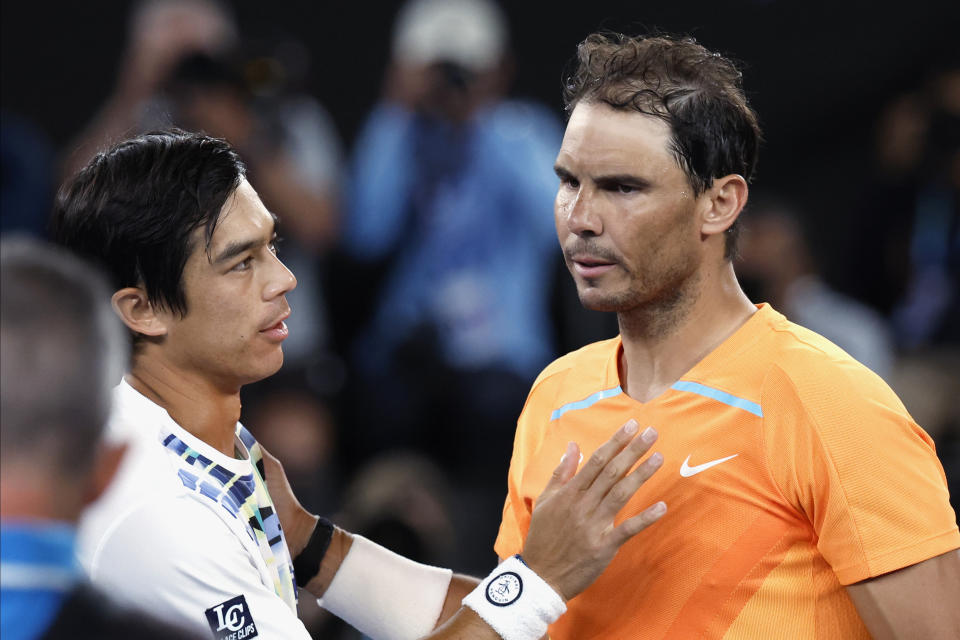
[178, 560]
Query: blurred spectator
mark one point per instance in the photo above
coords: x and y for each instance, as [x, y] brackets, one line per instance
[401, 500]
[777, 266]
[161, 33]
[63, 349]
[450, 199]
[905, 248]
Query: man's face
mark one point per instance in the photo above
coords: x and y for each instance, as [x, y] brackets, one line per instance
[625, 213]
[235, 293]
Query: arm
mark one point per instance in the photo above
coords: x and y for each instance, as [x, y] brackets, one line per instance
[571, 541]
[919, 601]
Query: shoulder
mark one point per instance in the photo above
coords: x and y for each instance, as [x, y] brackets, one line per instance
[146, 479]
[827, 381]
[588, 363]
[175, 528]
[193, 558]
[574, 377]
[815, 393]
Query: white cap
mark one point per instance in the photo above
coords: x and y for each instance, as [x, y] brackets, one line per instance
[471, 33]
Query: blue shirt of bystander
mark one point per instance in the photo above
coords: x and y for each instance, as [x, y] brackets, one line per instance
[38, 569]
[466, 212]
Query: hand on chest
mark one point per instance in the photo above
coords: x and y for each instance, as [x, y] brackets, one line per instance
[714, 461]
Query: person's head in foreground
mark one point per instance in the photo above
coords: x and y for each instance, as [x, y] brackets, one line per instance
[191, 252]
[654, 166]
[63, 350]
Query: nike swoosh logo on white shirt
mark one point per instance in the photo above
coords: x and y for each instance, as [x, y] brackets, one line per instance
[686, 470]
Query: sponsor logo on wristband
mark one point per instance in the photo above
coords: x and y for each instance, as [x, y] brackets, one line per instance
[505, 589]
[231, 620]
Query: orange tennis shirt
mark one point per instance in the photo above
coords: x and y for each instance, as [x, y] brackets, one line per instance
[789, 471]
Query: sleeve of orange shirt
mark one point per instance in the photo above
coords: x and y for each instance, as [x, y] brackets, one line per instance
[845, 453]
[530, 428]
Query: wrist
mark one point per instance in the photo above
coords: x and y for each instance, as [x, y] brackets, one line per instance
[300, 530]
[543, 570]
[516, 602]
[340, 543]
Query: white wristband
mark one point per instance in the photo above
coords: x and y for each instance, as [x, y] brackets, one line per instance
[516, 602]
[384, 595]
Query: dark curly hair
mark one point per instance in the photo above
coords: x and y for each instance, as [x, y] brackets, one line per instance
[133, 209]
[697, 92]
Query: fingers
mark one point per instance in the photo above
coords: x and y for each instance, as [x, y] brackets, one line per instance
[564, 471]
[625, 489]
[636, 524]
[615, 470]
[603, 455]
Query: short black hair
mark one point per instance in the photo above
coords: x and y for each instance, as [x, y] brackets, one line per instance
[134, 208]
[63, 350]
[697, 92]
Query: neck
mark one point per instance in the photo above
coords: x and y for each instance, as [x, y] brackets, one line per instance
[664, 340]
[206, 410]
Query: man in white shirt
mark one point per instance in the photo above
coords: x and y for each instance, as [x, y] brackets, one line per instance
[201, 525]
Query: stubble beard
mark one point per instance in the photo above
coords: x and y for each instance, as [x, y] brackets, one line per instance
[651, 308]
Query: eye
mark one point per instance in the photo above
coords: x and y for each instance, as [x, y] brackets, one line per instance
[625, 188]
[569, 181]
[243, 265]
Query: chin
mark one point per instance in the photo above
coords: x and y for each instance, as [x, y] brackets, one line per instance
[266, 367]
[274, 364]
[596, 300]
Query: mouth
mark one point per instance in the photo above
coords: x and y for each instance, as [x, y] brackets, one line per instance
[277, 330]
[589, 266]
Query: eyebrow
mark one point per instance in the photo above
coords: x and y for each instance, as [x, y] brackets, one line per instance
[236, 248]
[622, 178]
[233, 249]
[619, 178]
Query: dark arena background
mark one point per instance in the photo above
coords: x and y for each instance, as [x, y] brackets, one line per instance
[860, 107]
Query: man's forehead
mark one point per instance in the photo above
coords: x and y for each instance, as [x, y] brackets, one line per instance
[599, 134]
[601, 123]
[243, 217]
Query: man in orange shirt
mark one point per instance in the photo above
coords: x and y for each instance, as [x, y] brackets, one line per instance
[804, 501]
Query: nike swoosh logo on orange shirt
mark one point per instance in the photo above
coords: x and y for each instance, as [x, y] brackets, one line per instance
[686, 470]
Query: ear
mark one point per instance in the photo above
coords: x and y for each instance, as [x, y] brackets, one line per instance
[726, 198]
[105, 467]
[134, 308]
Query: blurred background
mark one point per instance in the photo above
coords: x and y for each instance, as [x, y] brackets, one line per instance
[408, 151]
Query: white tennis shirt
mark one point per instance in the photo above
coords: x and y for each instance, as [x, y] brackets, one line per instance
[189, 533]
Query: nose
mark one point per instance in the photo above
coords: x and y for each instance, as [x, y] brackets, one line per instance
[280, 282]
[580, 213]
